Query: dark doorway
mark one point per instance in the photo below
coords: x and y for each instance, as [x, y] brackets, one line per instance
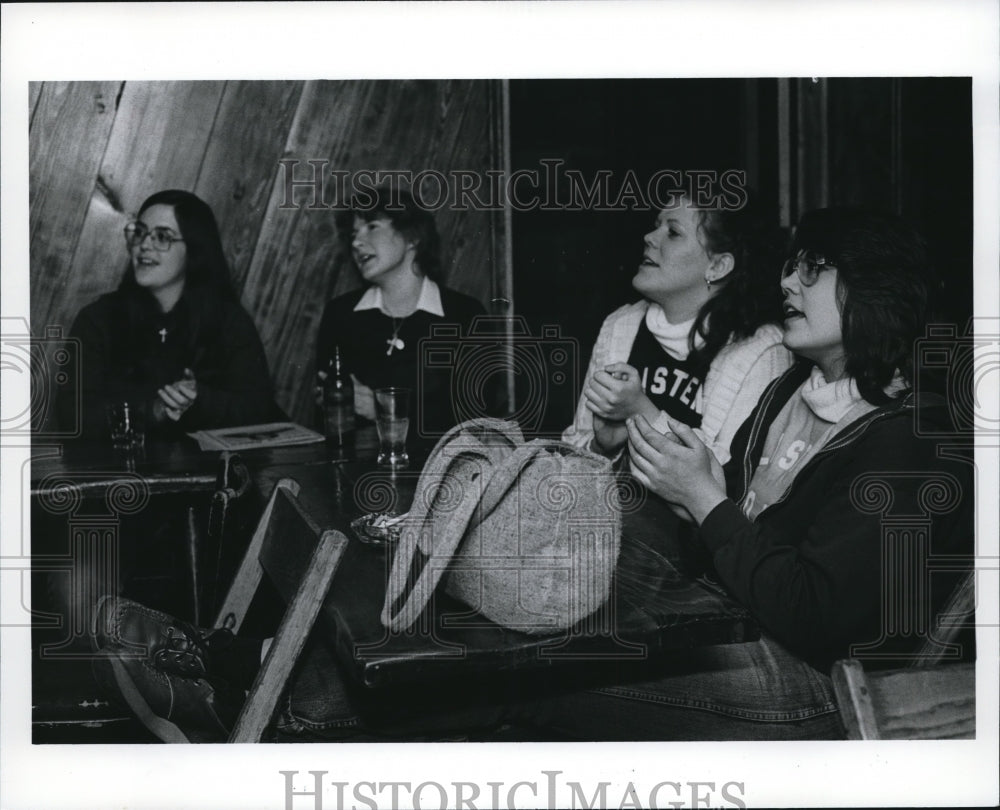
[573, 265]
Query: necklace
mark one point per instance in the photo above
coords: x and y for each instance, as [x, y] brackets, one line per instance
[163, 334]
[395, 342]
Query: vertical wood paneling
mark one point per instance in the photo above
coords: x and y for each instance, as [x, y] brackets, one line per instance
[503, 243]
[502, 282]
[34, 92]
[466, 143]
[237, 172]
[785, 197]
[68, 136]
[897, 176]
[813, 137]
[158, 140]
[293, 271]
[750, 125]
[861, 145]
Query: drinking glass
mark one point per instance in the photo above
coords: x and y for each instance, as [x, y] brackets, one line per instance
[127, 425]
[392, 418]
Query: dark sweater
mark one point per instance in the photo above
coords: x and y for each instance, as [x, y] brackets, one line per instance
[670, 384]
[435, 378]
[810, 567]
[125, 356]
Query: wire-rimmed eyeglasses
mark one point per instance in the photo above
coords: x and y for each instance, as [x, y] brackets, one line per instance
[160, 238]
[808, 266]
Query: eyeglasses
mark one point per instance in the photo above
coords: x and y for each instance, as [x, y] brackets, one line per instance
[808, 266]
[160, 238]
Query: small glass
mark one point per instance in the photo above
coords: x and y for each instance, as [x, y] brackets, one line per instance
[392, 418]
[127, 426]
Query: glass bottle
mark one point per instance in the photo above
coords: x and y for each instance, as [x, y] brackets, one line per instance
[338, 403]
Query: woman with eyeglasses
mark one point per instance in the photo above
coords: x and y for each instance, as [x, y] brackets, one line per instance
[172, 338]
[702, 343]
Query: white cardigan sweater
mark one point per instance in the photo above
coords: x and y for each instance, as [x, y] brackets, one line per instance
[736, 378]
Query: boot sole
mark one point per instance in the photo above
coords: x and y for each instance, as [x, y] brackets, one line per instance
[159, 726]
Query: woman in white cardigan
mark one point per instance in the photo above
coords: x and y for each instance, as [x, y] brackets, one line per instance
[702, 344]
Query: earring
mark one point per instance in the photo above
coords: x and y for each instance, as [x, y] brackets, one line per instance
[708, 283]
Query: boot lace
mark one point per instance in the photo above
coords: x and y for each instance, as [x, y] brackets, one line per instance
[188, 651]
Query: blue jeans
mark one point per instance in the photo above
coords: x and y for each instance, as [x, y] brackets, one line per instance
[753, 691]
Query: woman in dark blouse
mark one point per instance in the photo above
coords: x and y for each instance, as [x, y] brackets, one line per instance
[172, 339]
[395, 245]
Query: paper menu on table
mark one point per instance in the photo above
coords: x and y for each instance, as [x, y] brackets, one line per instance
[249, 437]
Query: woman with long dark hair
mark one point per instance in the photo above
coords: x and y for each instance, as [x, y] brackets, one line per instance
[703, 342]
[172, 339]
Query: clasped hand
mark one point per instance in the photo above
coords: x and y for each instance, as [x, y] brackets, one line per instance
[612, 396]
[616, 393]
[177, 397]
[677, 467]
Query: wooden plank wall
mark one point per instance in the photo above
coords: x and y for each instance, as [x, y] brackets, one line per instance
[97, 149]
[901, 144]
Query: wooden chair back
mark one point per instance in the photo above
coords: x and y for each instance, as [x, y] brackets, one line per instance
[917, 703]
[300, 559]
[928, 699]
[957, 614]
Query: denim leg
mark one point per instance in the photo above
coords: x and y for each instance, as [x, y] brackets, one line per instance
[319, 702]
[754, 691]
[322, 704]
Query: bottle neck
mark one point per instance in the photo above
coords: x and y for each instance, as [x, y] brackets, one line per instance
[337, 380]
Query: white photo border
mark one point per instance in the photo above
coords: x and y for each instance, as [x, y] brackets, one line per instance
[504, 40]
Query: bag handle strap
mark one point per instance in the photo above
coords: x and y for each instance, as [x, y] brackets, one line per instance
[466, 438]
[505, 476]
[463, 459]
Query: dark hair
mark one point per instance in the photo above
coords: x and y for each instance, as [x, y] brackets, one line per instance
[748, 296]
[206, 269]
[407, 215]
[884, 285]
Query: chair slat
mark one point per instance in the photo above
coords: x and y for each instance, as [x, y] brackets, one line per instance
[250, 572]
[951, 619]
[854, 699]
[289, 641]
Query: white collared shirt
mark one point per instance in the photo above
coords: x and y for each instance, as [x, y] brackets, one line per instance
[429, 301]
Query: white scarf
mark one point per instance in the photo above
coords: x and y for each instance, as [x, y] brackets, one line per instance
[832, 401]
[672, 337]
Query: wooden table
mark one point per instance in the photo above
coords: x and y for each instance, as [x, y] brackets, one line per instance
[655, 607]
[85, 497]
[92, 469]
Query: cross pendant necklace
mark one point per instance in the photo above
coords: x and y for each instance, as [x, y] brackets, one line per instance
[163, 334]
[395, 342]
